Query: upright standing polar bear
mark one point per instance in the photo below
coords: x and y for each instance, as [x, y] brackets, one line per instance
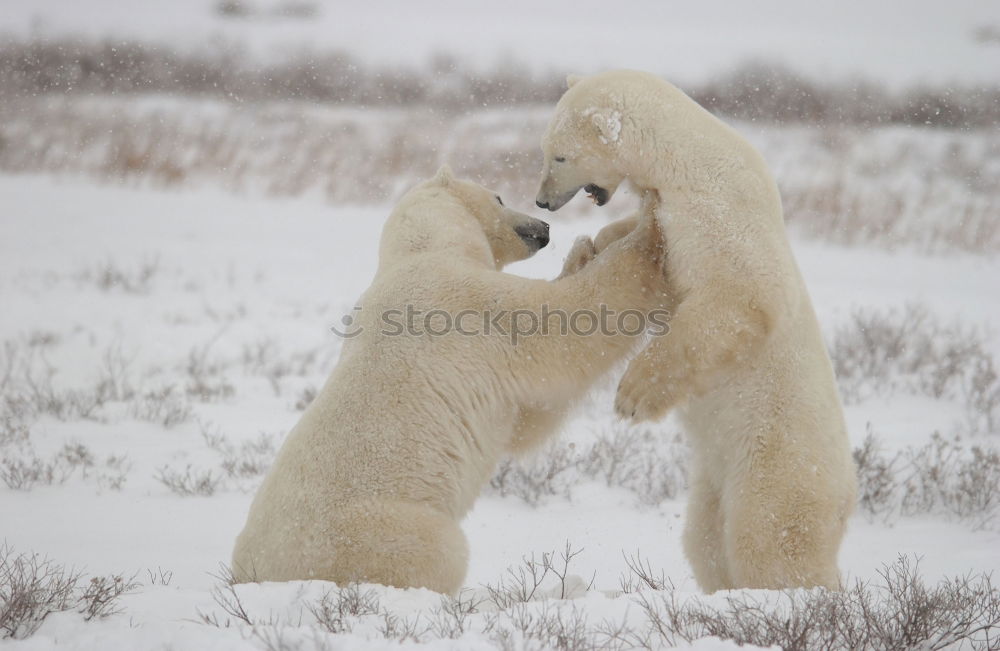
[372, 482]
[773, 480]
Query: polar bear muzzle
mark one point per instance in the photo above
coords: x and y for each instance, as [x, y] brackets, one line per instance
[597, 194]
[534, 233]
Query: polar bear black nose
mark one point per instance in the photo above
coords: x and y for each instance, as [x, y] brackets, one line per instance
[543, 238]
[535, 233]
[542, 204]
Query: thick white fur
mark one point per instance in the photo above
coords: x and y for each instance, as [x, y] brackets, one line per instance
[372, 483]
[773, 480]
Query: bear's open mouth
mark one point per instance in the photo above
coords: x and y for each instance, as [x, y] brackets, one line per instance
[596, 193]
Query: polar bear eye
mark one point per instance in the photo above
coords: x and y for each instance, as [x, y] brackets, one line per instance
[560, 159]
[499, 201]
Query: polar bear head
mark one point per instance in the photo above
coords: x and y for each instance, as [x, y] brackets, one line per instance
[581, 145]
[591, 141]
[447, 213]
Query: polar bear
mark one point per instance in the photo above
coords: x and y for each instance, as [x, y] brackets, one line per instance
[372, 482]
[773, 479]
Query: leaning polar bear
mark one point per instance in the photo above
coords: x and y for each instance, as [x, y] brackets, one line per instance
[372, 482]
[773, 481]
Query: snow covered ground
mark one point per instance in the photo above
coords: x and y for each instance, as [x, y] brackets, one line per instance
[228, 299]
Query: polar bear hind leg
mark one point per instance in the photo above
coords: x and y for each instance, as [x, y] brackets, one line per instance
[779, 537]
[403, 544]
[704, 537]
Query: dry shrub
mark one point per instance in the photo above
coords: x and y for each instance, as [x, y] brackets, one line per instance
[900, 612]
[756, 91]
[640, 460]
[267, 358]
[888, 185]
[924, 189]
[878, 478]
[207, 379]
[946, 477]
[164, 405]
[30, 390]
[188, 482]
[453, 618]
[522, 583]
[33, 587]
[77, 66]
[762, 91]
[241, 466]
[880, 352]
[336, 612]
[305, 398]
[13, 430]
[232, 9]
[640, 575]
[159, 576]
[942, 476]
[547, 627]
[99, 598]
[23, 473]
[526, 615]
[552, 472]
[23, 469]
[337, 609]
[29, 387]
[225, 595]
[111, 275]
[248, 460]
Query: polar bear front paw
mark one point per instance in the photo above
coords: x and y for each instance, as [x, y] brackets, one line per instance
[579, 255]
[644, 393]
[614, 232]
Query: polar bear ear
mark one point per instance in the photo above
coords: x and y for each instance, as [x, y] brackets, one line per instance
[444, 175]
[572, 79]
[608, 124]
